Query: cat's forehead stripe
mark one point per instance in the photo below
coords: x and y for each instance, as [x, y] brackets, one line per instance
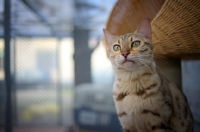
[124, 37]
[119, 41]
[131, 39]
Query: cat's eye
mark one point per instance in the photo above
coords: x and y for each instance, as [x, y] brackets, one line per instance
[116, 47]
[135, 44]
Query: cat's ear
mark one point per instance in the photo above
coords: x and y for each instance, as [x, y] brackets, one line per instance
[109, 36]
[145, 28]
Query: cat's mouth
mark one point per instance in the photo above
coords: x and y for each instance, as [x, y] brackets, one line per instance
[128, 61]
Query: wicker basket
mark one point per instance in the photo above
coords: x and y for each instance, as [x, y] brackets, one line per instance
[175, 23]
[176, 28]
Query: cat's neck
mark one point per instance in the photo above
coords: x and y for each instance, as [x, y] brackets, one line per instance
[136, 73]
[136, 80]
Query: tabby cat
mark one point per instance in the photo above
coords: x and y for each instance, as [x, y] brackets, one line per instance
[145, 100]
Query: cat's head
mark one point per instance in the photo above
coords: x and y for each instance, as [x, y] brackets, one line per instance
[132, 50]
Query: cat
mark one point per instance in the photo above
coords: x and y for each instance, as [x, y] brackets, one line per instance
[145, 100]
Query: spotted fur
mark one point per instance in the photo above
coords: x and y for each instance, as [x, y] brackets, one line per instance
[145, 101]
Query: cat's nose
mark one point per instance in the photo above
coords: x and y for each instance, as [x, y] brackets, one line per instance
[125, 54]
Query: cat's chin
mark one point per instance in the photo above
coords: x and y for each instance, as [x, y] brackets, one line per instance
[128, 65]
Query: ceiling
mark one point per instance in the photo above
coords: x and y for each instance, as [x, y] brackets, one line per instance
[56, 17]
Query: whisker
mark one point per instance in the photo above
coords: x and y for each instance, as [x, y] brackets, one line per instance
[162, 59]
[109, 68]
[138, 64]
[160, 69]
[157, 56]
[114, 64]
[142, 55]
[145, 65]
[160, 55]
[156, 65]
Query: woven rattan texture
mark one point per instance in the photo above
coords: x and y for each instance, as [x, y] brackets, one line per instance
[127, 14]
[176, 28]
[175, 23]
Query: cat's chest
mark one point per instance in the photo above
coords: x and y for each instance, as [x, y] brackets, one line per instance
[127, 101]
[131, 97]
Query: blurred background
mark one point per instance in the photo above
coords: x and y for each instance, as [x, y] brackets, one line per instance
[56, 51]
[54, 73]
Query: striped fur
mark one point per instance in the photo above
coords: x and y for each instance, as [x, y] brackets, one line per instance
[145, 101]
